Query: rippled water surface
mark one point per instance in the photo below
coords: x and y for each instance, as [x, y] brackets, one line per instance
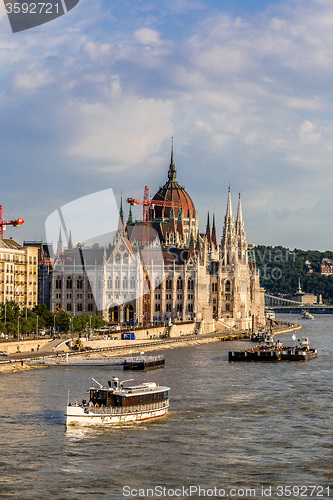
[230, 425]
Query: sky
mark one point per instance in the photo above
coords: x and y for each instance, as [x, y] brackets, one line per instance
[90, 101]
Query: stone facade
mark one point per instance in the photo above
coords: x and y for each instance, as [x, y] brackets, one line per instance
[191, 276]
[18, 273]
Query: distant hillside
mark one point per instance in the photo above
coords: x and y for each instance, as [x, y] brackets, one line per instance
[281, 268]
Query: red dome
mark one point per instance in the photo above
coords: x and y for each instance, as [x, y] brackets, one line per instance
[172, 191]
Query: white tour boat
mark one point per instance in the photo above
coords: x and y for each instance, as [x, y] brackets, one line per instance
[117, 404]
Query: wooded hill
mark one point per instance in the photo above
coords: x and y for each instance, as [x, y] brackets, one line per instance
[281, 268]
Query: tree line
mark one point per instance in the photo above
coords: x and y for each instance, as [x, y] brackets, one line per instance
[14, 320]
[281, 269]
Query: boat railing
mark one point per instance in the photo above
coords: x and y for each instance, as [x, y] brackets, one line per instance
[138, 359]
[115, 410]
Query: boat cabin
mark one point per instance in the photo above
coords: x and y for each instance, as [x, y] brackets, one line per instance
[116, 395]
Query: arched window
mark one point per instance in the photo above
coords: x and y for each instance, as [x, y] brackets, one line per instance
[227, 286]
[58, 283]
[179, 283]
[69, 282]
[132, 282]
[118, 258]
[117, 282]
[79, 283]
[125, 282]
[110, 282]
[168, 284]
[190, 284]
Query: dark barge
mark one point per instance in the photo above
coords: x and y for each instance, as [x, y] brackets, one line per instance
[271, 350]
[144, 362]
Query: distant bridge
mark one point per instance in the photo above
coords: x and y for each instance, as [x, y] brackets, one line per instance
[274, 302]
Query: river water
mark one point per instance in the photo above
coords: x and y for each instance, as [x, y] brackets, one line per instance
[237, 430]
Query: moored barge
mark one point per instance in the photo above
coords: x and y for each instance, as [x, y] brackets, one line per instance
[143, 362]
[119, 404]
[271, 350]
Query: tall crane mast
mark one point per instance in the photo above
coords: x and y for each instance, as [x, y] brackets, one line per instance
[12, 222]
[148, 203]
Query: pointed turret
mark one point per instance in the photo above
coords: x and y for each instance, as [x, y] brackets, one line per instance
[172, 169]
[214, 240]
[208, 235]
[70, 241]
[191, 252]
[228, 242]
[121, 223]
[60, 246]
[239, 219]
[130, 216]
[197, 246]
[240, 234]
[180, 228]
[172, 223]
[228, 214]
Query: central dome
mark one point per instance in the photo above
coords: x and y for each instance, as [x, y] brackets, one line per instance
[174, 193]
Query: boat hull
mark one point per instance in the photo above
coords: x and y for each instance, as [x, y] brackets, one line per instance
[78, 416]
[143, 365]
[270, 355]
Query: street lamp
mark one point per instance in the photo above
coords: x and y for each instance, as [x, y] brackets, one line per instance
[37, 325]
[18, 327]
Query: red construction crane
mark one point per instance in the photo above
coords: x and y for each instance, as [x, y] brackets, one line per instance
[12, 222]
[147, 202]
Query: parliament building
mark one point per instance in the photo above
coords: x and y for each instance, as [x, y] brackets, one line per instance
[186, 275]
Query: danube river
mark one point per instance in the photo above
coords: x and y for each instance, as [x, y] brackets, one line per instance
[234, 430]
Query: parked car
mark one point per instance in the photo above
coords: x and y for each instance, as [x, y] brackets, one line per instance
[4, 353]
[87, 348]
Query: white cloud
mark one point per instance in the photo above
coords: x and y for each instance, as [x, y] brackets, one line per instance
[307, 134]
[147, 36]
[33, 77]
[122, 132]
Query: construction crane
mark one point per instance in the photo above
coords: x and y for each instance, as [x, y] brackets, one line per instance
[4, 223]
[148, 203]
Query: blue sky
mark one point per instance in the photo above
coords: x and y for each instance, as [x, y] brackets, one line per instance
[91, 100]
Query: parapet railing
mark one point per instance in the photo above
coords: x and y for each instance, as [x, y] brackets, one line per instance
[116, 410]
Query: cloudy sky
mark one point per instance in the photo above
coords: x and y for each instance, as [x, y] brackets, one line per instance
[91, 100]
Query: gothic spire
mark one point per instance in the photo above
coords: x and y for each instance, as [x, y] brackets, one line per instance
[240, 234]
[208, 235]
[197, 245]
[229, 206]
[191, 252]
[121, 211]
[214, 240]
[239, 219]
[70, 241]
[121, 223]
[172, 170]
[130, 216]
[180, 222]
[228, 242]
[60, 247]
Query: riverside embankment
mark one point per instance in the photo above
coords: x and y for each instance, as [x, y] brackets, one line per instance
[107, 347]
